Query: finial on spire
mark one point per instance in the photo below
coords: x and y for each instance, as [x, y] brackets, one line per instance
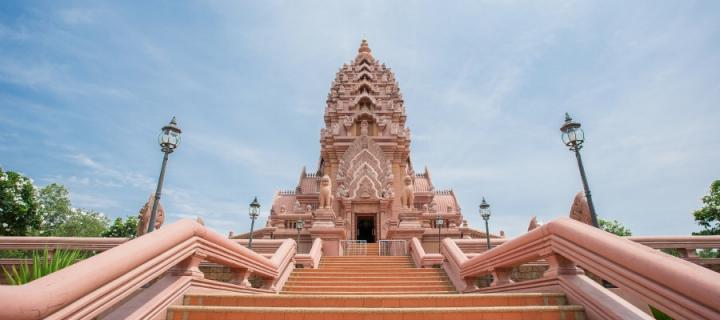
[364, 46]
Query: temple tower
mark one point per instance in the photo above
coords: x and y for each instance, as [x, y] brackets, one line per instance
[365, 177]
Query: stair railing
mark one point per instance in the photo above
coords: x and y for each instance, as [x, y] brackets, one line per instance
[422, 259]
[168, 257]
[679, 288]
[392, 248]
[353, 247]
[312, 259]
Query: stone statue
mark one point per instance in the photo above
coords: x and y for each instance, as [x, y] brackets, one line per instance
[326, 196]
[297, 206]
[308, 209]
[144, 216]
[580, 210]
[364, 128]
[282, 209]
[407, 197]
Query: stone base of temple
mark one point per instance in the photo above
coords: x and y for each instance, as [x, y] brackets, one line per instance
[324, 218]
[331, 237]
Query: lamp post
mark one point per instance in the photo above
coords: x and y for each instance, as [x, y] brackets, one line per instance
[254, 213]
[439, 223]
[485, 214]
[169, 140]
[573, 137]
[299, 226]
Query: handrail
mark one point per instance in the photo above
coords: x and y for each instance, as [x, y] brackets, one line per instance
[52, 243]
[680, 288]
[311, 259]
[89, 287]
[422, 259]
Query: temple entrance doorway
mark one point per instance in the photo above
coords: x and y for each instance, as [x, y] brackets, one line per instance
[365, 228]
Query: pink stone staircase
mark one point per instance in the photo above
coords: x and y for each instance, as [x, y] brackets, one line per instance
[373, 287]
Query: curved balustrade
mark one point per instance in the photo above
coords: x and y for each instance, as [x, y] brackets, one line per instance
[52, 243]
[422, 259]
[311, 259]
[97, 284]
[680, 288]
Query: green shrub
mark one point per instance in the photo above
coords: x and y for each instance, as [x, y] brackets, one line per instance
[42, 264]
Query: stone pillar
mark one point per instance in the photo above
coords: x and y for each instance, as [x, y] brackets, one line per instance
[560, 265]
[240, 277]
[190, 266]
[501, 276]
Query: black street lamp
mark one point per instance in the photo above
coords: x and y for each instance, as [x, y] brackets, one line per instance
[299, 226]
[573, 137]
[169, 140]
[254, 213]
[439, 223]
[485, 214]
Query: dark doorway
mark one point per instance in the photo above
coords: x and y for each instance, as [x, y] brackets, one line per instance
[366, 228]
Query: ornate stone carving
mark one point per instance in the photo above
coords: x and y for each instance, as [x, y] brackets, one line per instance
[407, 197]
[326, 196]
[282, 209]
[343, 192]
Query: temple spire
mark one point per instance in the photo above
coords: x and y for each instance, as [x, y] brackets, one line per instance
[364, 47]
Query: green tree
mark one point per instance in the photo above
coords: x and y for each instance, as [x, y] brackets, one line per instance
[614, 227]
[18, 205]
[120, 229]
[54, 206]
[708, 216]
[82, 223]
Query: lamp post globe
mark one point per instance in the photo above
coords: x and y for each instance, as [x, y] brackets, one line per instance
[299, 226]
[573, 137]
[485, 214]
[254, 212]
[169, 140]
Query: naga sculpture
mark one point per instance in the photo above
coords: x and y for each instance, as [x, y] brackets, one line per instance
[580, 210]
[326, 196]
[144, 216]
[407, 197]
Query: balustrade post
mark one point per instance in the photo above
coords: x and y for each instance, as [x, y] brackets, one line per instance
[241, 277]
[501, 276]
[470, 284]
[190, 266]
[269, 284]
[688, 253]
[560, 265]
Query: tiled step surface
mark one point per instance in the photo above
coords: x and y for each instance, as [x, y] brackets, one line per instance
[455, 306]
[373, 287]
[302, 313]
[367, 274]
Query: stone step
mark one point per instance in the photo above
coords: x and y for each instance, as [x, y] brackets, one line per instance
[370, 293]
[408, 288]
[379, 272]
[368, 265]
[385, 301]
[367, 278]
[366, 259]
[367, 282]
[299, 313]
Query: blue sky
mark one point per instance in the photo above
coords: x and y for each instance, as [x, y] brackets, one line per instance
[85, 87]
